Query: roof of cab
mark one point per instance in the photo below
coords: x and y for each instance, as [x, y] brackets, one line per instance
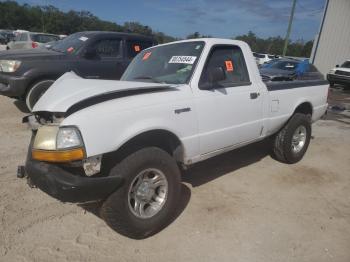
[121, 34]
[211, 41]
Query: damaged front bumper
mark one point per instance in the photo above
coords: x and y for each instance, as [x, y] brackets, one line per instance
[75, 182]
[66, 186]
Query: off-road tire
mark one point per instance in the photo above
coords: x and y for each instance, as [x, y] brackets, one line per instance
[115, 210]
[282, 142]
[36, 91]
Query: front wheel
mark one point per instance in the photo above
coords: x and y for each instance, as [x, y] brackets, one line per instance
[292, 141]
[148, 199]
[36, 91]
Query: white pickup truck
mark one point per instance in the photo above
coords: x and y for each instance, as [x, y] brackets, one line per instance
[125, 142]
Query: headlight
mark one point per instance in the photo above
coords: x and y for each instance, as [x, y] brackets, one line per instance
[332, 71]
[58, 144]
[9, 66]
[68, 137]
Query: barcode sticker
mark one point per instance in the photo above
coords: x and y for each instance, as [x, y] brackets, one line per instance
[182, 60]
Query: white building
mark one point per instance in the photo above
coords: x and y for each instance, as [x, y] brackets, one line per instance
[332, 44]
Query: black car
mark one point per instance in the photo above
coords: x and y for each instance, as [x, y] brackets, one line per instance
[5, 37]
[288, 70]
[27, 74]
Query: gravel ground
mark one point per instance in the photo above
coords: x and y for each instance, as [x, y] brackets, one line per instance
[241, 206]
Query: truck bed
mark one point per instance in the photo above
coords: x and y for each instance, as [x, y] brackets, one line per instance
[280, 85]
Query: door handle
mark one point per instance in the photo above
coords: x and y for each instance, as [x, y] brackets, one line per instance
[254, 95]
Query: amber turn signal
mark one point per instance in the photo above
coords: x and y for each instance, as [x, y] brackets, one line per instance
[58, 156]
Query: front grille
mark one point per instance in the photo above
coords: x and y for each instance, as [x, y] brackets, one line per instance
[343, 73]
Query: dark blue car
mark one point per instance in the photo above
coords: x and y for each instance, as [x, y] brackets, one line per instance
[288, 70]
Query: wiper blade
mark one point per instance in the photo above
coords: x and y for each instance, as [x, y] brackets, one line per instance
[147, 77]
[56, 50]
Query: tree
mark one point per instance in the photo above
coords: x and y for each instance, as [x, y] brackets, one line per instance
[51, 20]
[274, 45]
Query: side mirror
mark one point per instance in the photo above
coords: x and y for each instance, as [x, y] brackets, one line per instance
[337, 66]
[216, 74]
[90, 53]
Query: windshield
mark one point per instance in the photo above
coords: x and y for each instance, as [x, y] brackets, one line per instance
[284, 65]
[346, 64]
[70, 44]
[171, 64]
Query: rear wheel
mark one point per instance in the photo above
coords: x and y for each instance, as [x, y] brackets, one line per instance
[147, 201]
[292, 141]
[36, 91]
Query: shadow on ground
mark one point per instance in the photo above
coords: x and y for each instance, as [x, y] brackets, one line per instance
[21, 106]
[221, 165]
[339, 105]
[207, 171]
[95, 207]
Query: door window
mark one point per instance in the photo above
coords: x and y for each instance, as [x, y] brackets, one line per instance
[108, 48]
[40, 38]
[230, 59]
[24, 37]
[133, 47]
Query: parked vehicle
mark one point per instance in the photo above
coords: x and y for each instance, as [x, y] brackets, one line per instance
[50, 45]
[29, 40]
[263, 58]
[27, 74]
[340, 75]
[176, 104]
[269, 63]
[288, 70]
[5, 37]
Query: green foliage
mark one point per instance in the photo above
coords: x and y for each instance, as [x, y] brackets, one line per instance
[50, 19]
[274, 45]
[197, 35]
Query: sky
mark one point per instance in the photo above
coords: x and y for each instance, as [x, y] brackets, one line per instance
[218, 18]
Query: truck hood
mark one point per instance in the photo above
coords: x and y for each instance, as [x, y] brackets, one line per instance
[30, 54]
[72, 93]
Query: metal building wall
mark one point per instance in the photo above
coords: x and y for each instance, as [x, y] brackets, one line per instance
[332, 46]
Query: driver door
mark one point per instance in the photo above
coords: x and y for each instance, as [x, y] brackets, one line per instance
[229, 111]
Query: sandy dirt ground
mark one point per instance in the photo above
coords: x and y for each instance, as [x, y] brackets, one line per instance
[241, 206]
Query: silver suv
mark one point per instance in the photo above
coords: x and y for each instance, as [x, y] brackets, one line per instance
[29, 40]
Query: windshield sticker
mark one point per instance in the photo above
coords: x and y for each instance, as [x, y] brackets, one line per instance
[229, 66]
[146, 55]
[182, 60]
[137, 48]
[83, 38]
[70, 49]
